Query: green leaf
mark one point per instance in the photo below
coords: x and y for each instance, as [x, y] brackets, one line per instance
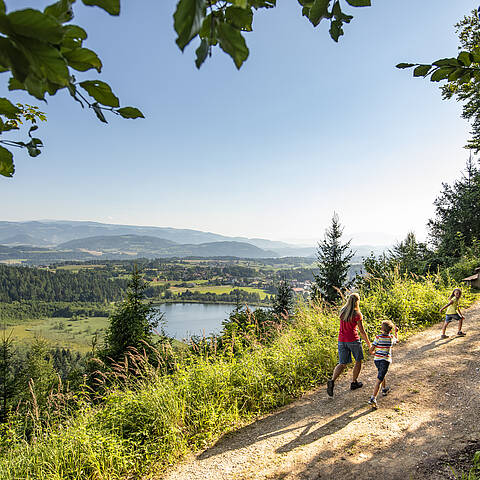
[101, 92]
[32, 147]
[318, 11]
[446, 62]
[360, 3]
[421, 70]
[208, 31]
[336, 30]
[465, 59]
[130, 112]
[441, 74]
[83, 59]
[2, 7]
[232, 42]
[46, 62]
[61, 10]
[110, 6]
[6, 163]
[456, 74]
[240, 3]
[36, 86]
[188, 19]
[73, 36]
[14, 59]
[7, 108]
[99, 113]
[35, 24]
[202, 52]
[239, 18]
[405, 65]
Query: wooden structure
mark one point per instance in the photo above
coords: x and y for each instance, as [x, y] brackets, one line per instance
[474, 280]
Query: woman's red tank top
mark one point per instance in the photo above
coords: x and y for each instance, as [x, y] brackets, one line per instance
[348, 330]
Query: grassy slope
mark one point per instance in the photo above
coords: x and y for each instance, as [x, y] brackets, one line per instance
[141, 428]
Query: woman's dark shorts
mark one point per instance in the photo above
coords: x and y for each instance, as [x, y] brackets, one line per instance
[347, 349]
[453, 316]
[382, 367]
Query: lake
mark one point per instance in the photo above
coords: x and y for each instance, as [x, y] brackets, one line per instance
[186, 319]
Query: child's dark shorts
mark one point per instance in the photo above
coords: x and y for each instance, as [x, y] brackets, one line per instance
[453, 316]
[382, 367]
[347, 349]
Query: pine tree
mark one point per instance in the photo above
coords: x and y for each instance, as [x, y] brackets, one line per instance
[283, 301]
[410, 255]
[133, 322]
[333, 261]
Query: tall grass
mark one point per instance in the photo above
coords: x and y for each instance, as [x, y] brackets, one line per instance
[146, 423]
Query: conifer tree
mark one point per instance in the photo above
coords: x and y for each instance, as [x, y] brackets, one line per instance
[333, 260]
[410, 255]
[283, 301]
[133, 322]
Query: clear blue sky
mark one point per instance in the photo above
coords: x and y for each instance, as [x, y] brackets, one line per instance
[307, 127]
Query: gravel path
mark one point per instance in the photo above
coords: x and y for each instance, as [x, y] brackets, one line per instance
[428, 423]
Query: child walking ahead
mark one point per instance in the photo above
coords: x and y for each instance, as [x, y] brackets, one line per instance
[453, 313]
[382, 346]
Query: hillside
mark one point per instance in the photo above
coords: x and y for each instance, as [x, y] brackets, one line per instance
[118, 243]
[57, 232]
[127, 247]
[60, 233]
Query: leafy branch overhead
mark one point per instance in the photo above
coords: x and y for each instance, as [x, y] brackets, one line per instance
[42, 50]
[223, 23]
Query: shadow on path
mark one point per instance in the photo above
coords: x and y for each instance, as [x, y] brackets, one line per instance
[309, 436]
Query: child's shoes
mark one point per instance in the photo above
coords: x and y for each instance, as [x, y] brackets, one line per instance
[385, 391]
[373, 402]
[461, 334]
[443, 336]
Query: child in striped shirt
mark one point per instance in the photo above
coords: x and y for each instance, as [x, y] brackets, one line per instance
[382, 346]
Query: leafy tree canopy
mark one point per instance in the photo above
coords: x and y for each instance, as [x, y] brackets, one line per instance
[42, 51]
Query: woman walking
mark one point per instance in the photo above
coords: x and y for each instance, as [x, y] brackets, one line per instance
[349, 342]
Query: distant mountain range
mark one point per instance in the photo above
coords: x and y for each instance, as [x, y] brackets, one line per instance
[49, 241]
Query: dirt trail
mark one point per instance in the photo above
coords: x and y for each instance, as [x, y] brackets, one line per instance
[429, 422]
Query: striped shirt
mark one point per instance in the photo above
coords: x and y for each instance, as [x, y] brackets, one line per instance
[383, 346]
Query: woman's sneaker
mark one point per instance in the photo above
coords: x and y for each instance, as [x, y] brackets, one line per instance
[330, 385]
[373, 402]
[354, 385]
[385, 391]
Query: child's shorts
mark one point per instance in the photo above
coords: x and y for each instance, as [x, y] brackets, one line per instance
[347, 349]
[453, 316]
[382, 367]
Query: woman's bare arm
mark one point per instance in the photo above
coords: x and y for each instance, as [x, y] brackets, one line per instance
[362, 332]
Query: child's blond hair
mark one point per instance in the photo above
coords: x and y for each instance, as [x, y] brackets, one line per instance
[387, 326]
